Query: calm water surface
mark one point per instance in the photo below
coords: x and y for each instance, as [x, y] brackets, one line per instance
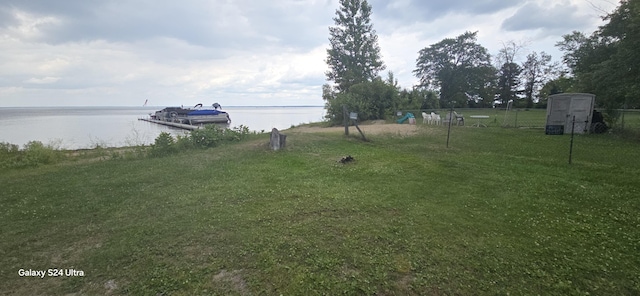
[88, 127]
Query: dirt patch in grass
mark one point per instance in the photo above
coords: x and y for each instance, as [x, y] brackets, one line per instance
[231, 279]
[377, 127]
[110, 286]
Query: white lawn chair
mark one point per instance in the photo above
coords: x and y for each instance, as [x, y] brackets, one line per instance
[459, 118]
[426, 118]
[435, 118]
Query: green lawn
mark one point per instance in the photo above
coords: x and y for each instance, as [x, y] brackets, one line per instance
[499, 212]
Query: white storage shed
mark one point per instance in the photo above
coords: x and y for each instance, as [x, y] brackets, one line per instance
[561, 108]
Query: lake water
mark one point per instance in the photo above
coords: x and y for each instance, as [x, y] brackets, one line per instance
[88, 127]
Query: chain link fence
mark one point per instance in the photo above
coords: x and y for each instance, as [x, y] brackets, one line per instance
[616, 121]
[595, 140]
[628, 121]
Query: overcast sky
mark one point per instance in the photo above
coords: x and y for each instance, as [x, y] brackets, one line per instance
[239, 52]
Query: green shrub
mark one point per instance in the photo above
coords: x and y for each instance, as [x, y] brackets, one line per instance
[164, 145]
[33, 154]
[8, 154]
[212, 135]
[206, 137]
[184, 142]
[37, 154]
[235, 134]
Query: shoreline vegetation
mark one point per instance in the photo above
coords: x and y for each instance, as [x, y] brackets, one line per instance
[498, 212]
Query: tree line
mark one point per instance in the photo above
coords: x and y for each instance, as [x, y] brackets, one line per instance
[459, 72]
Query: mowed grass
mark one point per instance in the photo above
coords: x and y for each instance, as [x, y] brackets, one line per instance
[498, 212]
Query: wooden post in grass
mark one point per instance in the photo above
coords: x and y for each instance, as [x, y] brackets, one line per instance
[345, 115]
[354, 117]
[277, 140]
[573, 125]
[350, 117]
[449, 127]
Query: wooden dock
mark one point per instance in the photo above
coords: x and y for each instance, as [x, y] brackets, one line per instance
[173, 124]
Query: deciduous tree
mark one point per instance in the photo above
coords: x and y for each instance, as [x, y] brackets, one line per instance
[508, 82]
[607, 63]
[509, 73]
[558, 85]
[453, 66]
[537, 69]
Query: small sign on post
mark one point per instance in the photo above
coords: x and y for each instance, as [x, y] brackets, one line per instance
[346, 121]
[353, 117]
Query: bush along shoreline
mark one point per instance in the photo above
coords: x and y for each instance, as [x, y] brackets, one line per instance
[208, 137]
[35, 153]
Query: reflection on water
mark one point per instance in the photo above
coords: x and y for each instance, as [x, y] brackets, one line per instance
[88, 127]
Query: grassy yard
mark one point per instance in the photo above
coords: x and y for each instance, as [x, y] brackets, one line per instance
[499, 212]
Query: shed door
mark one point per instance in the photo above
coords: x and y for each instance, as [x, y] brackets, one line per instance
[581, 109]
[558, 111]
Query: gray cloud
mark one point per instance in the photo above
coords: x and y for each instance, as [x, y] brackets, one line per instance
[244, 51]
[7, 18]
[428, 11]
[231, 24]
[558, 18]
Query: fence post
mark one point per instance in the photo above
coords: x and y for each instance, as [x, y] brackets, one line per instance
[450, 120]
[624, 109]
[573, 124]
[345, 115]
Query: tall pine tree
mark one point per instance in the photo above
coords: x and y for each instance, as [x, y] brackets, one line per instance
[354, 56]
